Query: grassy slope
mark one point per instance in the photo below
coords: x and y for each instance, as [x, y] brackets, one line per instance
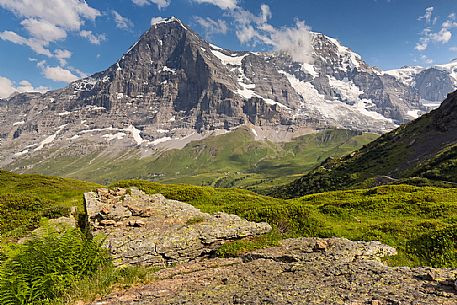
[231, 160]
[398, 215]
[426, 147]
[25, 199]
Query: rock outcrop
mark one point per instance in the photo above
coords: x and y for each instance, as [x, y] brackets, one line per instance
[299, 271]
[148, 230]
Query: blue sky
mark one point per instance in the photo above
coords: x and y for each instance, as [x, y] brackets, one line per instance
[45, 44]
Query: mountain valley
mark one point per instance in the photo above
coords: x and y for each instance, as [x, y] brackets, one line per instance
[172, 87]
[190, 174]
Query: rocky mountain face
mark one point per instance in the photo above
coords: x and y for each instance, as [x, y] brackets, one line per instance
[426, 147]
[172, 85]
[432, 84]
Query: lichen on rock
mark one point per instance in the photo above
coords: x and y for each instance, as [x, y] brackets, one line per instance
[148, 230]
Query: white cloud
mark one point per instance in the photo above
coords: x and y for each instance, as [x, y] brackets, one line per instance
[43, 30]
[443, 36]
[453, 49]
[7, 87]
[295, 41]
[223, 4]
[160, 3]
[428, 15]
[62, 56]
[68, 14]
[48, 21]
[37, 45]
[122, 23]
[93, 38]
[58, 74]
[212, 26]
[155, 20]
[252, 29]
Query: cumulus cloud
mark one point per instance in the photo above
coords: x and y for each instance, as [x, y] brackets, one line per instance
[38, 46]
[443, 35]
[7, 87]
[453, 49]
[122, 23]
[43, 30]
[212, 26]
[93, 38]
[68, 14]
[58, 74]
[223, 4]
[49, 21]
[160, 3]
[251, 29]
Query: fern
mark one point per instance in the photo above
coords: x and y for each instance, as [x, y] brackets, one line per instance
[46, 267]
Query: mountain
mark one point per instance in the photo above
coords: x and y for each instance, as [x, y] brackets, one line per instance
[432, 84]
[172, 87]
[426, 147]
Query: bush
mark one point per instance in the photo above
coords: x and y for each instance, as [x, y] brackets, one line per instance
[44, 268]
[438, 248]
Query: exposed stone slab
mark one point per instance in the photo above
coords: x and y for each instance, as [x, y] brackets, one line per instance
[152, 230]
[300, 271]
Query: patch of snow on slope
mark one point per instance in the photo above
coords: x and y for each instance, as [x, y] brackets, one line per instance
[135, 134]
[50, 139]
[166, 69]
[117, 136]
[19, 123]
[350, 59]
[309, 69]
[414, 113]
[451, 68]
[347, 89]
[254, 132]
[229, 60]
[331, 109]
[405, 75]
[21, 153]
[247, 91]
[214, 47]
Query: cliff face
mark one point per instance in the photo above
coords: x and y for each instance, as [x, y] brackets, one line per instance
[172, 84]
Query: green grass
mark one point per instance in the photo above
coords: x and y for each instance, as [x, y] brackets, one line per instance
[424, 148]
[421, 222]
[234, 159]
[26, 199]
[397, 215]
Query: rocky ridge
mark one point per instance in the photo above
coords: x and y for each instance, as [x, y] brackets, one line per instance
[150, 230]
[432, 84]
[172, 85]
[299, 271]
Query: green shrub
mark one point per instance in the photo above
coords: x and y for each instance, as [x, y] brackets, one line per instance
[44, 268]
[438, 248]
